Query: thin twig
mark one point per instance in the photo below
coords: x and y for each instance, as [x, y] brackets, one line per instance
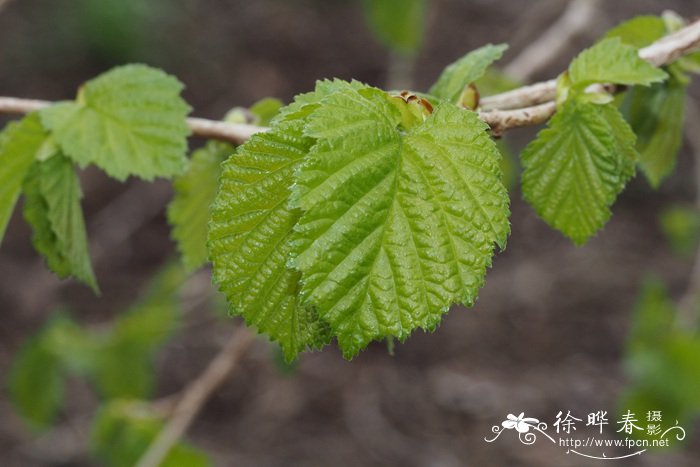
[196, 395]
[234, 132]
[576, 18]
[513, 107]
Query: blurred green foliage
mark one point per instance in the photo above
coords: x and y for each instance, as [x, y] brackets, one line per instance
[117, 360]
[681, 226]
[398, 24]
[123, 430]
[662, 361]
[36, 380]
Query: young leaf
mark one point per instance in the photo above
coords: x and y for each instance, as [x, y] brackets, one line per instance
[128, 121]
[399, 221]
[464, 71]
[19, 144]
[53, 210]
[195, 191]
[576, 167]
[249, 238]
[656, 116]
[397, 23]
[612, 61]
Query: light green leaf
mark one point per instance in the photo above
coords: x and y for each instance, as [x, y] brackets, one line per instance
[124, 429]
[19, 144]
[249, 238]
[36, 383]
[576, 167]
[53, 210]
[128, 121]
[612, 61]
[195, 191]
[464, 71]
[399, 24]
[656, 115]
[399, 222]
[639, 31]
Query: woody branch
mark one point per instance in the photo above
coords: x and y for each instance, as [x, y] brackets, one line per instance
[528, 105]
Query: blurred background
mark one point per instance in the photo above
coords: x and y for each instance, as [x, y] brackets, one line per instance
[550, 330]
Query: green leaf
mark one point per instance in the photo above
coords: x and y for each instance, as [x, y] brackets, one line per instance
[128, 121]
[576, 167]
[36, 383]
[124, 429]
[681, 226]
[656, 115]
[464, 71]
[399, 24]
[639, 31]
[19, 144]
[195, 192]
[612, 61]
[399, 223]
[305, 103]
[53, 210]
[249, 237]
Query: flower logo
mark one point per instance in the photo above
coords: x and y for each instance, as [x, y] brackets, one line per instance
[520, 423]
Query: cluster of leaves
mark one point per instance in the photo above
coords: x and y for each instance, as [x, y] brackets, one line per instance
[129, 121]
[361, 215]
[118, 362]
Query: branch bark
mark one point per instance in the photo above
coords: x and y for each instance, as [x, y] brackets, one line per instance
[196, 394]
[528, 105]
[236, 133]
